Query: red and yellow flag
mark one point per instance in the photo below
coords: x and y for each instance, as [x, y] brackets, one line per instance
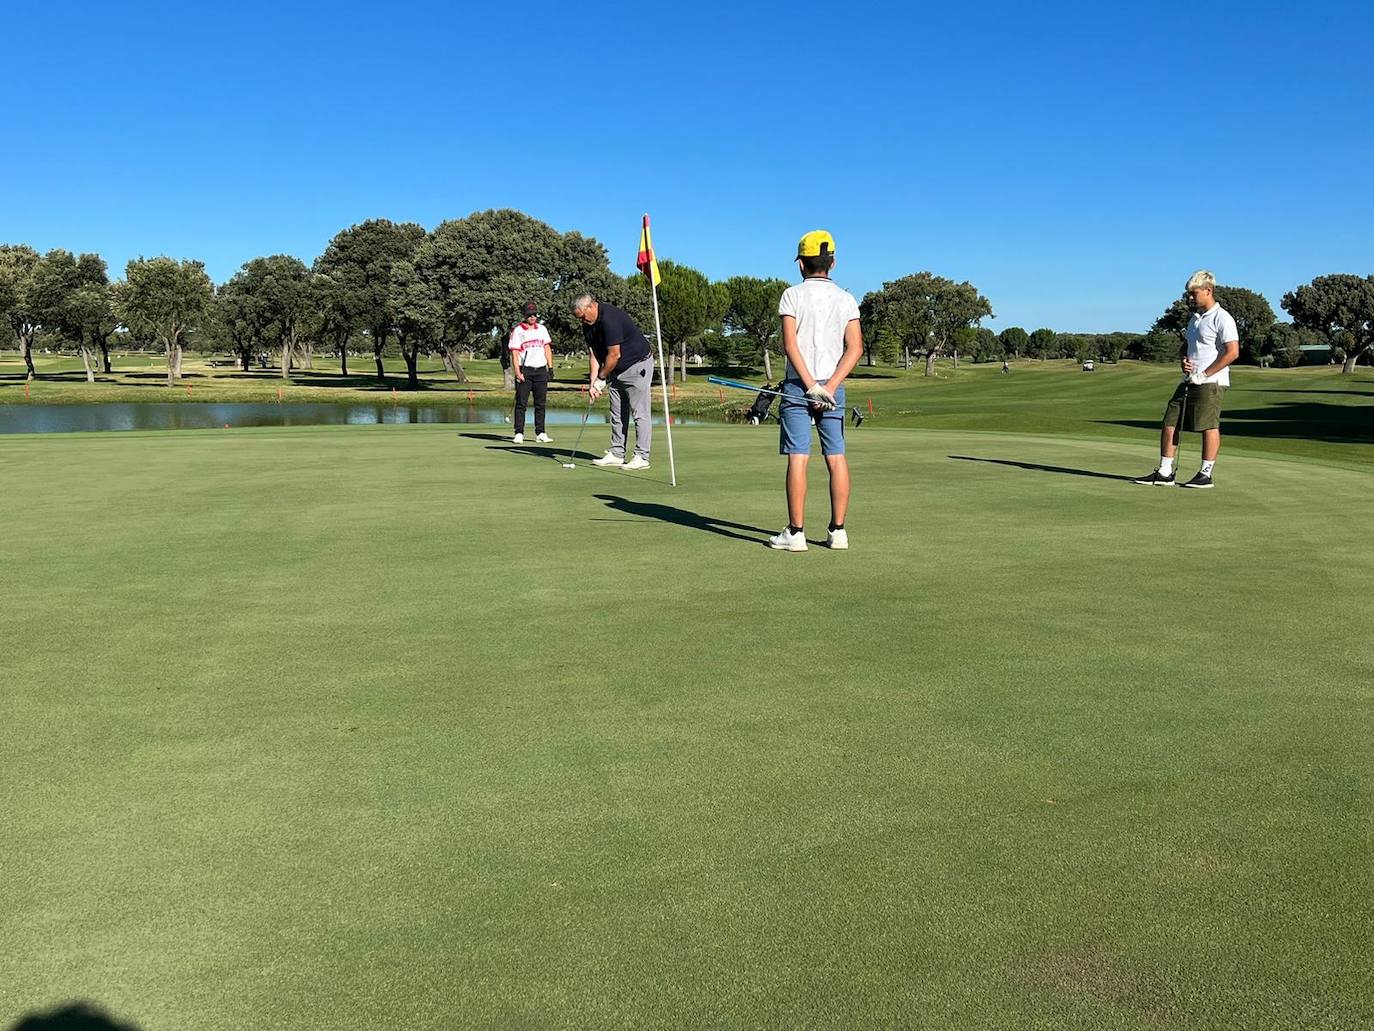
[646, 262]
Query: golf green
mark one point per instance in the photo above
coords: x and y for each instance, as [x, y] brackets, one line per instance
[407, 727]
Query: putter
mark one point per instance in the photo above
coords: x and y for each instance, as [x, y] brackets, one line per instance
[578, 443]
[735, 384]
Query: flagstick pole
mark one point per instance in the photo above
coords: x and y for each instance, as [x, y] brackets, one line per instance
[663, 379]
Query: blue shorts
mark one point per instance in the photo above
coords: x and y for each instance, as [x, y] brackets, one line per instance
[796, 417]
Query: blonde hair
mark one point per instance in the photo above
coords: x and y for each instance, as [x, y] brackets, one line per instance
[1201, 280]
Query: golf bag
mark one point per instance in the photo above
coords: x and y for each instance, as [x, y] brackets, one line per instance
[759, 410]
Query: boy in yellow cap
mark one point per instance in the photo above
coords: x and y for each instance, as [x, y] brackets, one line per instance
[823, 343]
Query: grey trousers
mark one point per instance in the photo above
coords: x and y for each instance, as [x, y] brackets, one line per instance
[630, 395]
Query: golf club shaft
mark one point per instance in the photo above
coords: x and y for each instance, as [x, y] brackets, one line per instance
[1182, 417]
[572, 455]
[790, 398]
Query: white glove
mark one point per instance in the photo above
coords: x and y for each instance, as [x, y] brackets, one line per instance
[820, 397]
[1197, 377]
[598, 388]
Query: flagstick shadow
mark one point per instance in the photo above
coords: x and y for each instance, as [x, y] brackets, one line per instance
[1061, 469]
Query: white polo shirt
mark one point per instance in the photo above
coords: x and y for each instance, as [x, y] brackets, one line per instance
[527, 346]
[1208, 335]
[822, 311]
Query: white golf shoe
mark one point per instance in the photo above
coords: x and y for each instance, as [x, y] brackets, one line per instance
[837, 540]
[608, 459]
[519, 438]
[544, 438]
[788, 541]
[638, 462]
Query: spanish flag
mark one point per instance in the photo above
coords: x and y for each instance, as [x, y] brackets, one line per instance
[646, 262]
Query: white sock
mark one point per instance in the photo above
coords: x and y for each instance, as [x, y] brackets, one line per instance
[1166, 465]
[1207, 467]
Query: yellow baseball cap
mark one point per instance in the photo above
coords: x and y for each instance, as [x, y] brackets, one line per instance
[816, 243]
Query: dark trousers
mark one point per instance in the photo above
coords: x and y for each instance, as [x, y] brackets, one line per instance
[536, 380]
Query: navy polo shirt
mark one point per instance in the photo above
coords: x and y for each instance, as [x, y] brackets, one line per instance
[614, 327]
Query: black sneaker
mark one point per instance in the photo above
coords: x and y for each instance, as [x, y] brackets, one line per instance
[1201, 481]
[1156, 479]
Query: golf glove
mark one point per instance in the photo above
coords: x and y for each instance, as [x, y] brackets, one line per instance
[598, 388]
[1197, 377]
[820, 397]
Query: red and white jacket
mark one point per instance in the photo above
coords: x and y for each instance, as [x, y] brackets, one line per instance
[527, 346]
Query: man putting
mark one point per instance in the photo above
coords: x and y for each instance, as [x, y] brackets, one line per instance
[1212, 344]
[621, 365]
[823, 343]
[531, 356]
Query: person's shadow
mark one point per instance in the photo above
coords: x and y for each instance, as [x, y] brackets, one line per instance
[1061, 469]
[682, 517]
[537, 450]
[72, 1016]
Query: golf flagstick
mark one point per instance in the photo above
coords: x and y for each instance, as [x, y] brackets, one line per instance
[649, 266]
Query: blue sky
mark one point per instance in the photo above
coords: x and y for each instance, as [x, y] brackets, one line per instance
[1076, 162]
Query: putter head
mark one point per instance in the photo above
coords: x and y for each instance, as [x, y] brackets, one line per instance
[569, 465]
[857, 416]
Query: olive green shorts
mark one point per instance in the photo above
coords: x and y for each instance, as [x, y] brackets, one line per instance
[1204, 407]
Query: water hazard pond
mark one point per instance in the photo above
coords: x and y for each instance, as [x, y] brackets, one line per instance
[37, 418]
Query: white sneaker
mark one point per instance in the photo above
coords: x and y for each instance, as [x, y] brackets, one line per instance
[638, 462]
[837, 540]
[544, 438]
[788, 541]
[608, 459]
[519, 438]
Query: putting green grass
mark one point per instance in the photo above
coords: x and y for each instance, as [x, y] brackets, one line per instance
[1312, 412]
[404, 727]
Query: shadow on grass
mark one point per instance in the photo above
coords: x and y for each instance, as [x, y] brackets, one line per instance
[682, 517]
[72, 1016]
[1063, 470]
[1300, 420]
[1300, 390]
[503, 443]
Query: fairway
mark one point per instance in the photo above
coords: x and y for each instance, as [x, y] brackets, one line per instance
[406, 727]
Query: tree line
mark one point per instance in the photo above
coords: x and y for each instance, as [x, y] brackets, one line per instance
[383, 288]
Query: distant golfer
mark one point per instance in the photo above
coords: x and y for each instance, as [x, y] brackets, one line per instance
[1212, 344]
[531, 356]
[620, 363]
[823, 343]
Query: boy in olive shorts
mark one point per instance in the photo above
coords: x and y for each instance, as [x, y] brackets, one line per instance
[823, 343]
[1212, 345]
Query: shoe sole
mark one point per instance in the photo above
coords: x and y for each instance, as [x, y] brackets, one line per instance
[838, 547]
[1197, 486]
[1154, 483]
[636, 468]
[784, 547]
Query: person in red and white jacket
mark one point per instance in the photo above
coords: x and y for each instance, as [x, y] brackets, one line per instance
[531, 358]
